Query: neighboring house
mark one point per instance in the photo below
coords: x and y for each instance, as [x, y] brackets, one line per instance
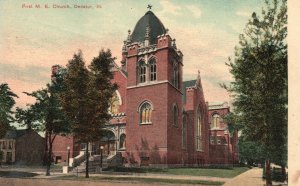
[23, 146]
[223, 145]
[157, 118]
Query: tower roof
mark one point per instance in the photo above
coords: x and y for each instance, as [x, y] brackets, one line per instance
[153, 23]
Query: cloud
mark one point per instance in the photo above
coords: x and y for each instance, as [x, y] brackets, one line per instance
[25, 44]
[196, 11]
[169, 8]
[29, 73]
[207, 49]
[243, 14]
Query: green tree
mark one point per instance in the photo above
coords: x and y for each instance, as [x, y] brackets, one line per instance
[27, 117]
[6, 104]
[259, 89]
[250, 151]
[86, 96]
[45, 115]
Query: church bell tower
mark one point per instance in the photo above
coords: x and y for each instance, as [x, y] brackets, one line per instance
[154, 93]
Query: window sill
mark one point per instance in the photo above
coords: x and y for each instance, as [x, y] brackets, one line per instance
[150, 123]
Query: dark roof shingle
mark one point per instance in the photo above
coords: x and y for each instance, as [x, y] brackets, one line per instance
[156, 28]
[186, 84]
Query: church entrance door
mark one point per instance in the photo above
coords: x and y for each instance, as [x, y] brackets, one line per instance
[109, 143]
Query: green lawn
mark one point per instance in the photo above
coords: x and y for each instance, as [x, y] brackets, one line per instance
[142, 180]
[16, 174]
[31, 168]
[213, 172]
[222, 173]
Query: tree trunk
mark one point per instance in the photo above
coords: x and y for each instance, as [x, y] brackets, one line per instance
[46, 150]
[87, 160]
[268, 173]
[283, 172]
[49, 155]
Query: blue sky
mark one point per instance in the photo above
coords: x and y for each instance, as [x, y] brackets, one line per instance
[32, 40]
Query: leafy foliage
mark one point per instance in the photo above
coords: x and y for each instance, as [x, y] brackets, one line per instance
[6, 104]
[260, 87]
[250, 152]
[86, 94]
[46, 115]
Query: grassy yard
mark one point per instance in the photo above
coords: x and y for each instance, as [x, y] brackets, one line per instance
[212, 172]
[16, 174]
[222, 173]
[142, 180]
[31, 168]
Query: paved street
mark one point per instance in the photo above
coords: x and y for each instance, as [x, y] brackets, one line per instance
[248, 178]
[47, 182]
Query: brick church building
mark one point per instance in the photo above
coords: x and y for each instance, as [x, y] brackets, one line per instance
[157, 118]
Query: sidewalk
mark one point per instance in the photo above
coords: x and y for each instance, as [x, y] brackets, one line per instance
[252, 177]
[249, 178]
[167, 176]
[140, 175]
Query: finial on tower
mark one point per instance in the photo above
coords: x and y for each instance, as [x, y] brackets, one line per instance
[174, 43]
[149, 7]
[198, 82]
[199, 76]
[129, 37]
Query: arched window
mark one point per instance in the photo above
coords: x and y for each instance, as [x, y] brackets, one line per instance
[215, 121]
[198, 131]
[142, 72]
[175, 115]
[152, 64]
[145, 113]
[122, 141]
[114, 104]
[184, 131]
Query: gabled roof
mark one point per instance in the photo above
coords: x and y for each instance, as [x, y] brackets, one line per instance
[186, 84]
[218, 105]
[117, 68]
[14, 134]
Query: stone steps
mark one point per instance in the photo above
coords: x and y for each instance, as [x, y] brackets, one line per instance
[94, 164]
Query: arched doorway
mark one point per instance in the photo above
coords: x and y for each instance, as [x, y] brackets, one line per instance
[108, 141]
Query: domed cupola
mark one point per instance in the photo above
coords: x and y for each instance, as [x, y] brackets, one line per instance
[149, 25]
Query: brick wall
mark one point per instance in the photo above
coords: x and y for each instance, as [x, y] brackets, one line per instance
[30, 148]
[151, 139]
[60, 145]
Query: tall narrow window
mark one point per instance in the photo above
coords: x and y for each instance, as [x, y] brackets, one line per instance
[175, 115]
[122, 141]
[142, 72]
[10, 145]
[114, 104]
[152, 64]
[145, 113]
[184, 132]
[215, 123]
[198, 131]
[175, 75]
